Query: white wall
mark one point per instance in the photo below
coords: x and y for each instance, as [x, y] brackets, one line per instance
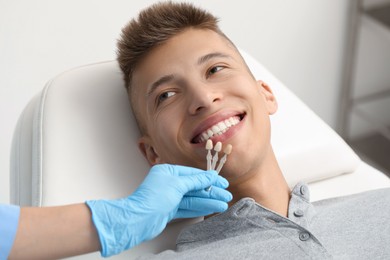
[300, 41]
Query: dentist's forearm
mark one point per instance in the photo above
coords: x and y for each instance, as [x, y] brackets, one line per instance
[54, 232]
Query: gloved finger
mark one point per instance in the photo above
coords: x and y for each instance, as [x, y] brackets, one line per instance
[190, 171]
[182, 170]
[189, 178]
[202, 204]
[215, 193]
[183, 213]
[221, 182]
[174, 170]
[201, 180]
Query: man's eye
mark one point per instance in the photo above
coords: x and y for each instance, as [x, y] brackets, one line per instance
[215, 69]
[165, 95]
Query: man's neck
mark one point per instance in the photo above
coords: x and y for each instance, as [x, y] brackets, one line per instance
[267, 187]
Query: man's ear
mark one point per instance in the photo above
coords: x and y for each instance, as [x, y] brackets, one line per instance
[270, 100]
[146, 147]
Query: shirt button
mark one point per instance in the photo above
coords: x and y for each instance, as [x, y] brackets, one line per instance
[298, 213]
[303, 190]
[303, 236]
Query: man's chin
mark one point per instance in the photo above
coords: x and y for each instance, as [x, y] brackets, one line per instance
[231, 177]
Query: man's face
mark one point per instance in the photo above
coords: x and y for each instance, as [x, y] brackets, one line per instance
[191, 83]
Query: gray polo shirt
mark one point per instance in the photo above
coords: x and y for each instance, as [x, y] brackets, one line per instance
[351, 227]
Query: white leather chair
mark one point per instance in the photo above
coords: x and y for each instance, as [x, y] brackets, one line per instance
[76, 140]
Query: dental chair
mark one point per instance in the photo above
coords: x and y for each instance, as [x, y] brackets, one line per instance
[77, 140]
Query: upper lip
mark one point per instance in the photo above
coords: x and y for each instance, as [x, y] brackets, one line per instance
[212, 120]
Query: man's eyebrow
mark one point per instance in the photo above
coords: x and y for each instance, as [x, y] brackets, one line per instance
[159, 82]
[210, 56]
[167, 78]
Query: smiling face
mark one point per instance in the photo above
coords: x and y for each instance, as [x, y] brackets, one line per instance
[194, 87]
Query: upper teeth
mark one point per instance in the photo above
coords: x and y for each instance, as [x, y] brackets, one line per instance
[219, 128]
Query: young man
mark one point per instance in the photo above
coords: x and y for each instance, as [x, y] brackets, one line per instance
[187, 83]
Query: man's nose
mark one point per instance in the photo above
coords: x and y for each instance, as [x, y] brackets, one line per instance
[202, 97]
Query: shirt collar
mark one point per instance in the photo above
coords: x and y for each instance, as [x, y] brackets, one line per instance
[248, 214]
[300, 210]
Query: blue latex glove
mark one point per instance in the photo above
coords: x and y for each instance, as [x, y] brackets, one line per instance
[168, 192]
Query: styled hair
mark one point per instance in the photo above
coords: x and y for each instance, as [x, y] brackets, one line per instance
[153, 27]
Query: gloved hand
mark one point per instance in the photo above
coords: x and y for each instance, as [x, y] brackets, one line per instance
[168, 192]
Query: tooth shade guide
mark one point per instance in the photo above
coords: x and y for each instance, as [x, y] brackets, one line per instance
[227, 151]
[217, 149]
[209, 146]
[212, 160]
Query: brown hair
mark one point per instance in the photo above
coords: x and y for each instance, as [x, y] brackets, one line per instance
[154, 26]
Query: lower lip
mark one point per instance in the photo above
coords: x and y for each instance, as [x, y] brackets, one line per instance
[227, 135]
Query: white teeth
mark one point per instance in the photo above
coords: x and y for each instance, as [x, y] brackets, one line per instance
[222, 126]
[215, 129]
[209, 133]
[227, 122]
[219, 128]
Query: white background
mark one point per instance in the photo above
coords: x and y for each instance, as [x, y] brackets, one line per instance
[302, 42]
